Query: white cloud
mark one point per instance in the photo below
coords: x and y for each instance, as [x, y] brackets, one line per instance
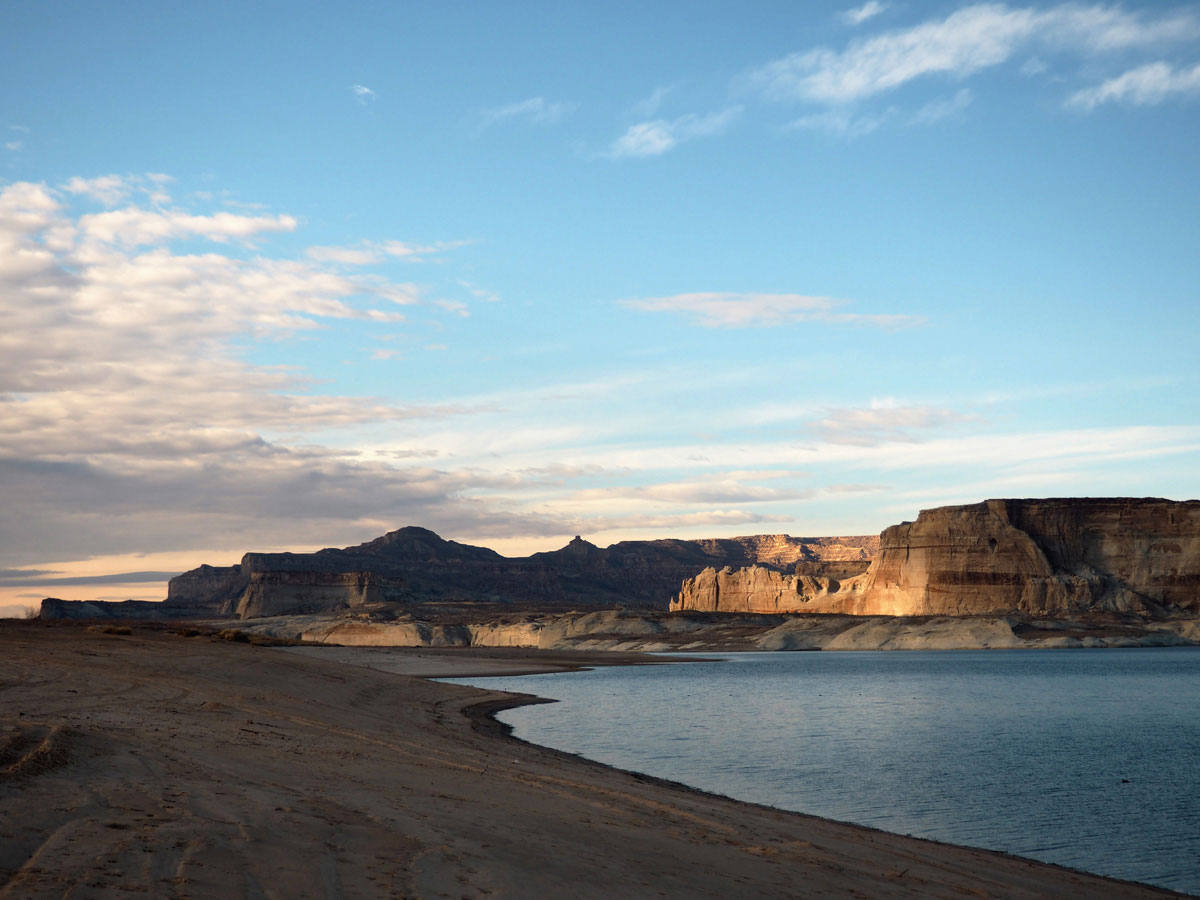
[656, 137]
[107, 189]
[965, 42]
[535, 110]
[726, 310]
[110, 190]
[362, 94]
[860, 14]
[14, 146]
[937, 110]
[1146, 85]
[134, 226]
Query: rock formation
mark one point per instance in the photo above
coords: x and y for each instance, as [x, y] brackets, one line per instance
[414, 566]
[288, 593]
[1058, 557]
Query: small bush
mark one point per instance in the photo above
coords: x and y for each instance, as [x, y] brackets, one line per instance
[231, 634]
[110, 629]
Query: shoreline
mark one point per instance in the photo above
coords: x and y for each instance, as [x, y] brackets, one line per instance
[197, 766]
[485, 716]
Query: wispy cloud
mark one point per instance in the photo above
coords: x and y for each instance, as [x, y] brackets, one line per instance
[937, 110]
[110, 190]
[725, 310]
[107, 189]
[649, 105]
[884, 421]
[860, 14]
[1146, 85]
[965, 42]
[1035, 65]
[16, 145]
[535, 110]
[656, 137]
[363, 94]
[841, 122]
[480, 293]
[366, 253]
[719, 489]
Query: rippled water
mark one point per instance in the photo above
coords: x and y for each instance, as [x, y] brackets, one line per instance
[1089, 759]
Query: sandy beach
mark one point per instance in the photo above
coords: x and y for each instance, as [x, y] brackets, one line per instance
[171, 766]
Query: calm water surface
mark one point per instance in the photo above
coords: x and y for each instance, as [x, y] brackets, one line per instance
[1089, 759]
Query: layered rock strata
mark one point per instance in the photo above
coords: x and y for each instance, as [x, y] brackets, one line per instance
[708, 632]
[1056, 557]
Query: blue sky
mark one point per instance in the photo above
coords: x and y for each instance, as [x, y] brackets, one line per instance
[283, 276]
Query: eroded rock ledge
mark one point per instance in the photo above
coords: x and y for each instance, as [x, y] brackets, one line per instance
[627, 631]
[1056, 557]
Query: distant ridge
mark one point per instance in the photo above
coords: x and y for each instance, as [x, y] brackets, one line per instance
[413, 565]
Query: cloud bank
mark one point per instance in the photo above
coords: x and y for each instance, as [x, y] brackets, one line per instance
[130, 416]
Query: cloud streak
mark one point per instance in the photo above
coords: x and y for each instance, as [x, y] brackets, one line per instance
[366, 253]
[750, 310]
[860, 14]
[1146, 85]
[535, 111]
[656, 137]
[962, 44]
[884, 421]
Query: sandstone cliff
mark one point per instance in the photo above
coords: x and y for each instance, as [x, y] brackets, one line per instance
[1058, 557]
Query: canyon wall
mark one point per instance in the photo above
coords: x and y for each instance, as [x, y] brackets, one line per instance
[1056, 557]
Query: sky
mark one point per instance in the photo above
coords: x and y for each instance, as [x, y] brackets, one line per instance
[292, 275]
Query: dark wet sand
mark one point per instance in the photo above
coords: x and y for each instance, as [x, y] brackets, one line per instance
[166, 766]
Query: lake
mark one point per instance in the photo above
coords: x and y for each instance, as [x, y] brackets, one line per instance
[1086, 758]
